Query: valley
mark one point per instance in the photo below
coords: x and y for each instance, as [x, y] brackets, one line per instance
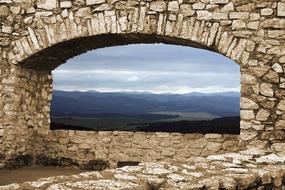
[188, 113]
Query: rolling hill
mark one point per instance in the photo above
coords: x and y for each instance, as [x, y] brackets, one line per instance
[93, 103]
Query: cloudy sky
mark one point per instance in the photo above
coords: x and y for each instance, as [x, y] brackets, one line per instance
[156, 68]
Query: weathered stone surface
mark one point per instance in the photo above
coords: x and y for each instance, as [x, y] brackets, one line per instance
[213, 136]
[276, 34]
[4, 10]
[239, 15]
[253, 25]
[228, 8]
[282, 59]
[94, 2]
[280, 51]
[266, 11]
[278, 68]
[238, 24]
[274, 23]
[281, 105]
[262, 115]
[246, 103]
[219, 1]
[279, 147]
[248, 79]
[281, 9]
[247, 114]
[173, 6]
[187, 10]
[204, 15]
[84, 12]
[7, 29]
[214, 147]
[47, 4]
[269, 159]
[198, 6]
[43, 14]
[229, 171]
[251, 34]
[271, 76]
[65, 4]
[158, 6]
[260, 71]
[266, 89]
[249, 135]
[30, 10]
[280, 124]
[220, 16]
[1, 132]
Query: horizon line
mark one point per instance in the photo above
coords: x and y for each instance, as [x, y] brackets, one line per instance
[149, 92]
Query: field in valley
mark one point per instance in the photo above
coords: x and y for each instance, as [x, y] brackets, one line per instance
[155, 121]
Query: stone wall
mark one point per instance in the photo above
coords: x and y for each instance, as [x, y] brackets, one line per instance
[114, 147]
[252, 169]
[28, 113]
[38, 36]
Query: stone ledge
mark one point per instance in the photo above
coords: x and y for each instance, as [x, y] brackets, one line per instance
[252, 169]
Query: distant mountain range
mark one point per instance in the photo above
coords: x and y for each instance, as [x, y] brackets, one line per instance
[92, 103]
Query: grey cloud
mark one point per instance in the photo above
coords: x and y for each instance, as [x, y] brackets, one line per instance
[148, 68]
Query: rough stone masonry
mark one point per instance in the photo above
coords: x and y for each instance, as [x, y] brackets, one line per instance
[37, 36]
[251, 169]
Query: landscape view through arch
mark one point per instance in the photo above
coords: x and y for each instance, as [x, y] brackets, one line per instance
[144, 87]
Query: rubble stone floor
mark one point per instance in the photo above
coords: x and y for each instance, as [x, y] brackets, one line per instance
[250, 169]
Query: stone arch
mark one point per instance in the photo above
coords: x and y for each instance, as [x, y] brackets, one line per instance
[53, 31]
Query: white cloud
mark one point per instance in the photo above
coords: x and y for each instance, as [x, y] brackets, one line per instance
[156, 90]
[149, 68]
[133, 79]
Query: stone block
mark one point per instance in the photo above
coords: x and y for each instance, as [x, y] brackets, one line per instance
[228, 8]
[213, 136]
[266, 12]
[248, 135]
[94, 2]
[65, 4]
[84, 12]
[198, 6]
[4, 10]
[279, 147]
[276, 34]
[247, 114]
[253, 25]
[219, 1]
[187, 10]
[204, 15]
[158, 6]
[274, 23]
[238, 24]
[30, 10]
[280, 124]
[246, 103]
[248, 79]
[220, 16]
[281, 9]
[278, 68]
[239, 15]
[214, 146]
[262, 115]
[47, 4]
[266, 89]
[173, 6]
[168, 152]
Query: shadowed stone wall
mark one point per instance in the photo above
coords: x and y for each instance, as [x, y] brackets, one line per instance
[115, 147]
[38, 36]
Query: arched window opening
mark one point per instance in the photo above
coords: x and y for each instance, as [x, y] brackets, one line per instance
[147, 87]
